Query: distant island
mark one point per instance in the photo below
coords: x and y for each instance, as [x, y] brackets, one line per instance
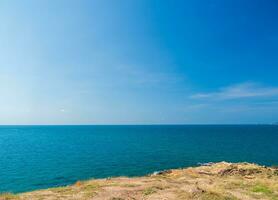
[219, 181]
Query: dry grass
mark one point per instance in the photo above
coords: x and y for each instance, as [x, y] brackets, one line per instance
[220, 181]
[8, 196]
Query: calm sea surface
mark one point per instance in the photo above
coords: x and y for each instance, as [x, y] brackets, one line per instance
[34, 157]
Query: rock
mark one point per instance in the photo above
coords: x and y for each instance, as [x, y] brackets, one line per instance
[235, 170]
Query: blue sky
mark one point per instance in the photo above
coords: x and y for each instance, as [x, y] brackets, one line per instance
[138, 62]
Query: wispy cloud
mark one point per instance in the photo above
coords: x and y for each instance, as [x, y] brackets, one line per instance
[238, 91]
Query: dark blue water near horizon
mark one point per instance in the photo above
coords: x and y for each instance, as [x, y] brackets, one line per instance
[35, 157]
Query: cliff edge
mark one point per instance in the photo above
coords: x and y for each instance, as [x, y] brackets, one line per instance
[216, 181]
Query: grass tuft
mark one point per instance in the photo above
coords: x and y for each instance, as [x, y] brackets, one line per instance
[148, 191]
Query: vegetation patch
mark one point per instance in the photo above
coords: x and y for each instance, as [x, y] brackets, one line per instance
[216, 196]
[130, 185]
[259, 188]
[91, 186]
[63, 190]
[149, 191]
[8, 196]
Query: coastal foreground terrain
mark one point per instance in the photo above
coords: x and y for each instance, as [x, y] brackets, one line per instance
[216, 181]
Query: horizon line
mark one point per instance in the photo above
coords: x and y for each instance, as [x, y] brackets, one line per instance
[170, 124]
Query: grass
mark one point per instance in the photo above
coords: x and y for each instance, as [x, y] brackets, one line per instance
[216, 196]
[149, 191]
[8, 196]
[178, 185]
[90, 187]
[265, 191]
[130, 185]
[259, 188]
[62, 190]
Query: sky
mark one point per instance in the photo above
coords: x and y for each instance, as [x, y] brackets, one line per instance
[138, 62]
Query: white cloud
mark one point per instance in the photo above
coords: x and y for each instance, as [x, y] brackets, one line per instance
[243, 90]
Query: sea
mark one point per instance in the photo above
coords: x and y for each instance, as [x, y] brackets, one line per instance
[37, 157]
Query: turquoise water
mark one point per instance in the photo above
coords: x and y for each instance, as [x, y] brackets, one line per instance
[34, 157]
